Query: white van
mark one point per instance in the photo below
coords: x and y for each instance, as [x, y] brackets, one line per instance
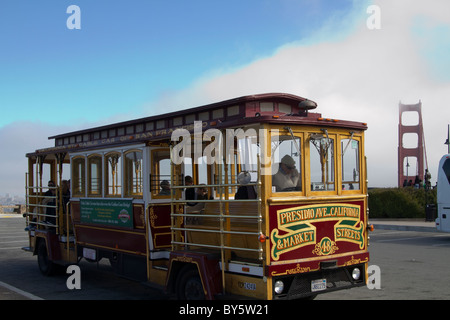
[443, 195]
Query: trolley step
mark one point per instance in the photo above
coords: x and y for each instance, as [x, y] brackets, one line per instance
[164, 268]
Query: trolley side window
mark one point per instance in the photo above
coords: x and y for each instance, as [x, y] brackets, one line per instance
[350, 164]
[202, 170]
[286, 163]
[42, 175]
[160, 174]
[95, 175]
[133, 173]
[78, 177]
[113, 174]
[241, 157]
[321, 150]
[227, 175]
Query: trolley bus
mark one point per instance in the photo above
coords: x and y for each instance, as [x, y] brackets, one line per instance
[257, 196]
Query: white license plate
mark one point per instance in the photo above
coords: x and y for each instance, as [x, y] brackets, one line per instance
[318, 285]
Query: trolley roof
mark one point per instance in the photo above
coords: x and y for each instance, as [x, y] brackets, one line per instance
[281, 108]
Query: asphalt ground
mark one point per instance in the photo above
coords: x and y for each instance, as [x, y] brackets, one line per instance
[8, 292]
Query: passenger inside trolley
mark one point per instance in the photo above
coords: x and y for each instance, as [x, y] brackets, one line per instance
[165, 188]
[287, 178]
[245, 192]
[189, 193]
[285, 175]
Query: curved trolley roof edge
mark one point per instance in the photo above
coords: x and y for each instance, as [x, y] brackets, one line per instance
[228, 113]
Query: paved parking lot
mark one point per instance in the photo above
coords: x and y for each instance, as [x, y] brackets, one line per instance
[413, 265]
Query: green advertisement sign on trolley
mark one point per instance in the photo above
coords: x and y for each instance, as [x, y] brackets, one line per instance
[111, 212]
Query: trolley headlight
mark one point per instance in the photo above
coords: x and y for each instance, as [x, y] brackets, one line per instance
[279, 286]
[356, 273]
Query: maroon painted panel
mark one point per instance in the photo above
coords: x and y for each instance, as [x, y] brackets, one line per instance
[114, 239]
[317, 230]
[122, 239]
[159, 220]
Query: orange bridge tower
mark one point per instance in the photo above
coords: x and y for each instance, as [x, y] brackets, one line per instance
[412, 153]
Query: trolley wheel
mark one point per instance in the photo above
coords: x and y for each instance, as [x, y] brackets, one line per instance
[189, 286]
[46, 266]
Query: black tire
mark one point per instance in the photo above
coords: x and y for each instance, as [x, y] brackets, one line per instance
[46, 266]
[189, 285]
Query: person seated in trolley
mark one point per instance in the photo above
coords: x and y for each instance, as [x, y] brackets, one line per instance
[200, 193]
[189, 193]
[49, 202]
[287, 178]
[165, 188]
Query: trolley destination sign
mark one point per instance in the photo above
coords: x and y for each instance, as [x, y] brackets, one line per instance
[300, 231]
[111, 212]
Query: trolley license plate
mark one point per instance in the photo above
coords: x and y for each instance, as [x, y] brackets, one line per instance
[318, 285]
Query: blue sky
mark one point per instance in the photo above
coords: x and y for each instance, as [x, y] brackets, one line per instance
[142, 57]
[129, 52]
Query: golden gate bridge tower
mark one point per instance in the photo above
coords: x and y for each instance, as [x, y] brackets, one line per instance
[410, 154]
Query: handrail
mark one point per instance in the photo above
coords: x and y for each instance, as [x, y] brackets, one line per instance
[213, 216]
[220, 228]
[218, 247]
[147, 244]
[213, 185]
[220, 217]
[67, 230]
[216, 231]
[215, 200]
[39, 215]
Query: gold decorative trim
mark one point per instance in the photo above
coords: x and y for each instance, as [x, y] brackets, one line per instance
[296, 270]
[325, 249]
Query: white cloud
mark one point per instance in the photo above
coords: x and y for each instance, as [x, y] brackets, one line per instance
[17, 139]
[22, 137]
[360, 77]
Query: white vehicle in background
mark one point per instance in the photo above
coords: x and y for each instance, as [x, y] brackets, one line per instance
[443, 195]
